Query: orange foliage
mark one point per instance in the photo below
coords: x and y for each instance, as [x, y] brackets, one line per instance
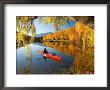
[84, 60]
[77, 41]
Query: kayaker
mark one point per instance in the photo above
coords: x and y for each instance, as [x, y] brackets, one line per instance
[45, 52]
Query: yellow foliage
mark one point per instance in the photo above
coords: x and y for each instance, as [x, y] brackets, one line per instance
[84, 61]
[79, 32]
[50, 19]
[24, 27]
[81, 39]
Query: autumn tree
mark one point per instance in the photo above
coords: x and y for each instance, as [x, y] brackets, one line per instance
[25, 28]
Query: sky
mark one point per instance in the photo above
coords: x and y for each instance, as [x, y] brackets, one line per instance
[45, 28]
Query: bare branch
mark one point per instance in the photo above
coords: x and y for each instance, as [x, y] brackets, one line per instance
[69, 17]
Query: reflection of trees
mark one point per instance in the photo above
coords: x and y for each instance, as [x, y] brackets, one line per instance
[84, 58]
[28, 55]
[25, 68]
[20, 68]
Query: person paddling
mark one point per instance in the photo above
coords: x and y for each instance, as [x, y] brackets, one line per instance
[45, 52]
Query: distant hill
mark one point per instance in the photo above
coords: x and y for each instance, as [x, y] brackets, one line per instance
[43, 34]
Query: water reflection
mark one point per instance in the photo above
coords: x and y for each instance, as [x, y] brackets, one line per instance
[44, 58]
[25, 66]
[75, 59]
[84, 58]
[28, 55]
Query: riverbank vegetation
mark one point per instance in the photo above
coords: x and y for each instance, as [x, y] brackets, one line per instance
[26, 31]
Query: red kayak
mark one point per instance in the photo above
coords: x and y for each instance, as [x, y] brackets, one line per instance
[51, 56]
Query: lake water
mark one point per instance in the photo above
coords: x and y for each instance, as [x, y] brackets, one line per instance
[75, 59]
[30, 61]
